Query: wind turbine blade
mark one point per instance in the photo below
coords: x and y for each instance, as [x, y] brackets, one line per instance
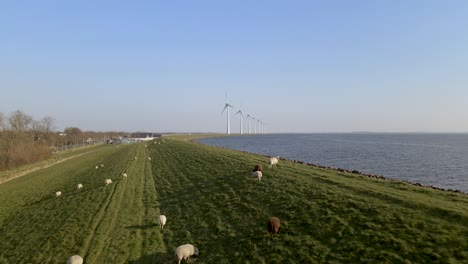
[225, 106]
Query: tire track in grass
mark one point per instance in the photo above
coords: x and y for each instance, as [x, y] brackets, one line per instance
[168, 181]
[48, 226]
[97, 222]
[101, 225]
[125, 230]
[151, 244]
[168, 176]
[136, 237]
[118, 239]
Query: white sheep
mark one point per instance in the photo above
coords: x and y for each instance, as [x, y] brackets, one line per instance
[146, 146]
[149, 158]
[257, 175]
[161, 221]
[185, 251]
[136, 158]
[273, 161]
[124, 175]
[102, 165]
[108, 181]
[75, 260]
[57, 194]
[97, 167]
[79, 186]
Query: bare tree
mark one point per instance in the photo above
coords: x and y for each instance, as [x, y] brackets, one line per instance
[74, 134]
[48, 124]
[19, 121]
[20, 134]
[42, 129]
[2, 125]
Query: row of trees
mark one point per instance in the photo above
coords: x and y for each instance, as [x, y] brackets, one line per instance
[24, 140]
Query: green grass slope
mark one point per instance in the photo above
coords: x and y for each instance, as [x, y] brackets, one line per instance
[211, 201]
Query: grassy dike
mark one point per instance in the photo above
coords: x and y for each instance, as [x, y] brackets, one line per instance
[211, 201]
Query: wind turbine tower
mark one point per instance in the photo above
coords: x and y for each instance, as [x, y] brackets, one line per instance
[241, 117]
[248, 120]
[228, 126]
[255, 125]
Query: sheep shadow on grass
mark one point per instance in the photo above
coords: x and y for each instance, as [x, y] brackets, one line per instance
[155, 258]
[143, 227]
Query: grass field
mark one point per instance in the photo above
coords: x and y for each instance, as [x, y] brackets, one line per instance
[211, 201]
[55, 158]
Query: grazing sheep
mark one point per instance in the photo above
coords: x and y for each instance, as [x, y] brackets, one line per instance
[273, 161]
[108, 181]
[57, 194]
[146, 146]
[136, 158]
[273, 226]
[161, 221]
[75, 260]
[185, 251]
[257, 175]
[124, 175]
[79, 186]
[258, 167]
[149, 158]
[102, 165]
[97, 167]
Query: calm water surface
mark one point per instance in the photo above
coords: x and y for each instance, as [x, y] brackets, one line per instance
[434, 159]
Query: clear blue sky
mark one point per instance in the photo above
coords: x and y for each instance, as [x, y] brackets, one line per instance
[301, 66]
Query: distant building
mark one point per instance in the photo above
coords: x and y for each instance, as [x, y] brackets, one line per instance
[141, 136]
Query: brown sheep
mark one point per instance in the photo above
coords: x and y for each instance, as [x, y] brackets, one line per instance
[258, 167]
[273, 226]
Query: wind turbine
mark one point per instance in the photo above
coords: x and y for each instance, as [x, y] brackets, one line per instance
[228, 127]
[255, 125]
[259, 125]
[248, 119]
[241, 117]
